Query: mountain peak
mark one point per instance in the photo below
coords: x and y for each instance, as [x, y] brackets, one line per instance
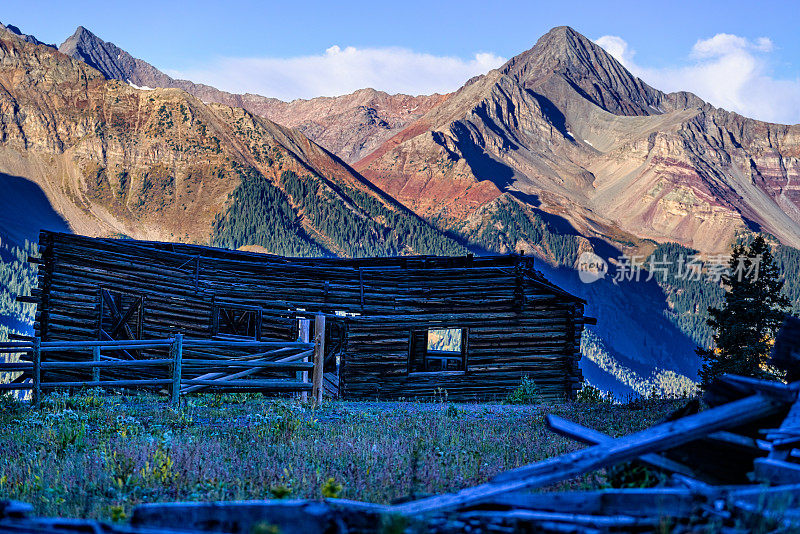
[81, 32]
[80, 39]
[565, 55]
[111, 61]
[562, 31]
[25, 37]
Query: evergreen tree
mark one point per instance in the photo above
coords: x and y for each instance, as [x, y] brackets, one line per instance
[751, 314]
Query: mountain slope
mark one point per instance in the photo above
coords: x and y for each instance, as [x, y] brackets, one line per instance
[566, 129]
[161, 164]
[350, 126]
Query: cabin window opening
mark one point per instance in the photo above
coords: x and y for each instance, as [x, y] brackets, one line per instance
[438, 350]
[237, 322]
[121, 315]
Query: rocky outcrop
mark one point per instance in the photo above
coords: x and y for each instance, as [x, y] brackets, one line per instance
[350, 126]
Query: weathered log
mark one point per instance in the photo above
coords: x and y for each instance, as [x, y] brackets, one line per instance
[657, 438]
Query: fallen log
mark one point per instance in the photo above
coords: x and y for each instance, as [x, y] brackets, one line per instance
[593, 437]
[657, 438]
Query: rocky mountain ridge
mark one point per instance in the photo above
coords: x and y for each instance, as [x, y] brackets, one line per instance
[25, 37]
[565, 129]
[160, 164]
[350, 126]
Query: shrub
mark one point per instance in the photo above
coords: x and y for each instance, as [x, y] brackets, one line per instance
[67, 432]
[160, 469]
[633, 475]
[9, 404]
[117, 513]
[280, 491]
[525, 393]
[591, 395]
[331, 489]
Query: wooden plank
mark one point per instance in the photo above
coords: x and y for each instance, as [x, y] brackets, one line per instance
[106, 383]
[570, 521]
[12, 386]
[190, 343]
[786, 392]
[287, 366]
[593, 437]
[319, 358]
[177, 363]
[635, 502]
[37, 373]
[287, 516]
[784, 438]
[96, 360]
[660, 437]
[106, 345]
[274, 385]
[112, 364]
[773, 471]
[15, 366]
[304, 336]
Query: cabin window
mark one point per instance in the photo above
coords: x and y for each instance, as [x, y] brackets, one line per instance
[120, 315]
[438, 350]
[237, 321]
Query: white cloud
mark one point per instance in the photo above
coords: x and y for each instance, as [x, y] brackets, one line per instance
[726, 70]
[340, 71]
[617, 47]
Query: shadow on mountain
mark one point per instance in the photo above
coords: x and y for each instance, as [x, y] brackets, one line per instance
[752, 225]
[557, 223]
[551, 113]
[562, 226]
[528, 198]
[482, 112]
[632, 322]
[482, 165]
[25, 210]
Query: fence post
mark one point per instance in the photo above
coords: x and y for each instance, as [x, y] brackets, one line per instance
[304, 328]
[96, 358]
[37, 372]
[319, 358]
[177, 357]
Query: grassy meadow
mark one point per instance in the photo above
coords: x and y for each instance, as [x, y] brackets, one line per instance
[97, 456]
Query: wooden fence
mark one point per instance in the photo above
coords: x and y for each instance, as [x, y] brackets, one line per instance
[191, 365]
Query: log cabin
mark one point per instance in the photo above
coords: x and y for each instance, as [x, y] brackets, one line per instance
[415, 327]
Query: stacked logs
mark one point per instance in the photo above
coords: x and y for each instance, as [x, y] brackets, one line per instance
[517, 323]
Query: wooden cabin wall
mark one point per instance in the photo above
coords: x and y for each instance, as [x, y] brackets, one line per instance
[519, 323]
[74, 271]
[542, 343]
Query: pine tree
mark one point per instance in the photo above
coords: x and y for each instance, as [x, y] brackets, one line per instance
[751, 314]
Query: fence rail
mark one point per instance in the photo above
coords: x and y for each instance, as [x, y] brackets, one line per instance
[201, 370]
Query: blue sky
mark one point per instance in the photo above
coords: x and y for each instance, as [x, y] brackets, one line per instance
[285, 49]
